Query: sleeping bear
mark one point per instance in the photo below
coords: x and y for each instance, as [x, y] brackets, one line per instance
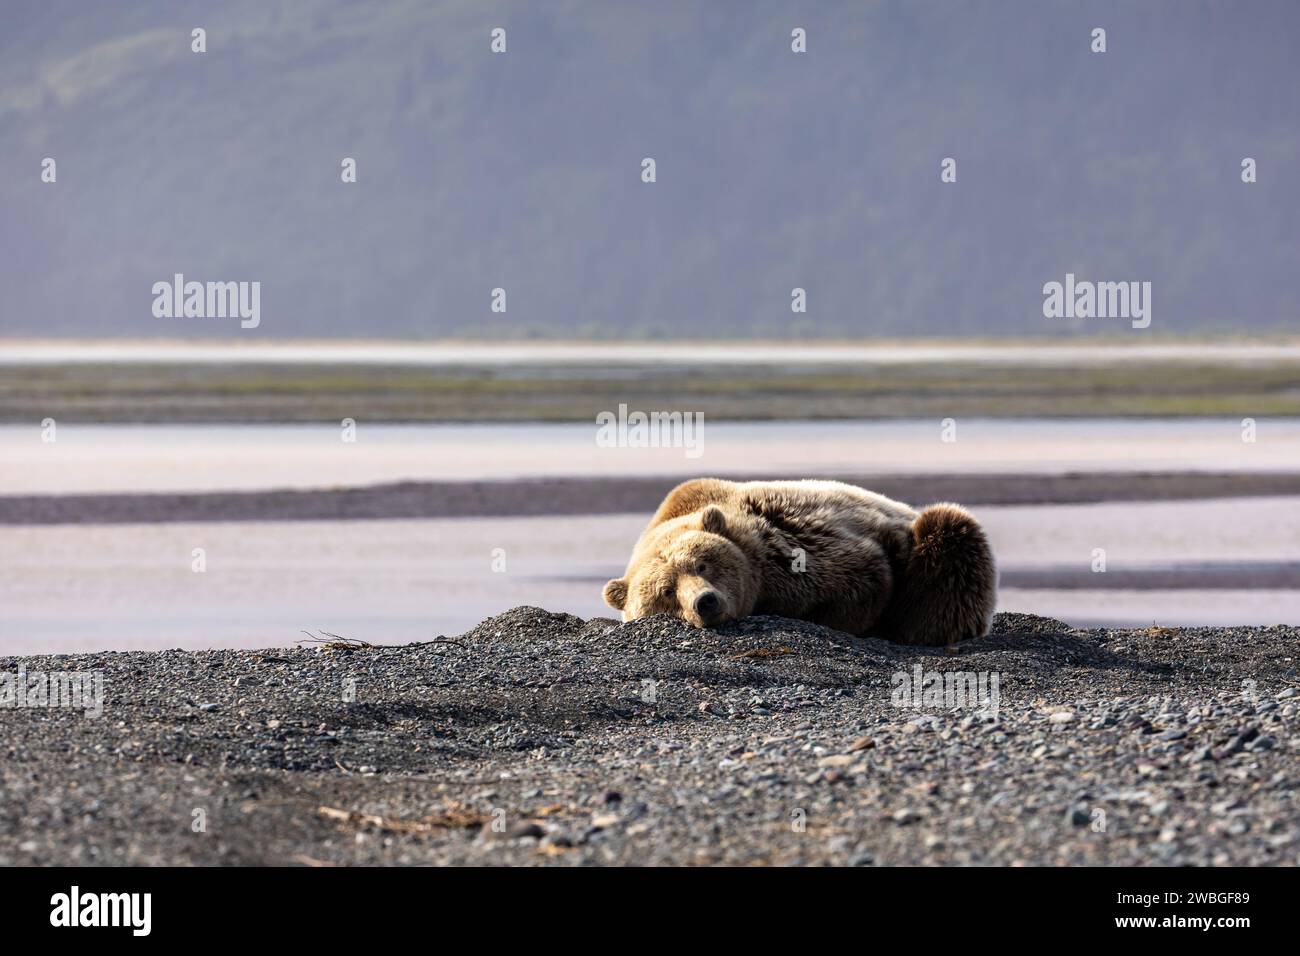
[820, 551]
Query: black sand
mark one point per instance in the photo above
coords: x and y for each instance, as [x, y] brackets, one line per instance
[770, 742]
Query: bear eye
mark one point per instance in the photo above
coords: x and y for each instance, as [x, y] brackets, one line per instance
[702, 567]
[667, 591]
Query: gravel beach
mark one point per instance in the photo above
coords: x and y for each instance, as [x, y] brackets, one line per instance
[539, 738]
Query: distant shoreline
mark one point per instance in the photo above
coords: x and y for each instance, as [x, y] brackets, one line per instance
[743, 381]
[616, 495]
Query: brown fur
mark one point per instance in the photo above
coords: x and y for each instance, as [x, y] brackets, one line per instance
[718, 550]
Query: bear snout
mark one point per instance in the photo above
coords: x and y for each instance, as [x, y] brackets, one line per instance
[708, 607]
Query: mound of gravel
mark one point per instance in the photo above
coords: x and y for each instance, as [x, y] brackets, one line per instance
[540, 738]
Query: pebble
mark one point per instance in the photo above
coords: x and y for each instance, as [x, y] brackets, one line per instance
[836, 760]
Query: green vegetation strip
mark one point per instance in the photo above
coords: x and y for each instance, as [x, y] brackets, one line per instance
[299, 393]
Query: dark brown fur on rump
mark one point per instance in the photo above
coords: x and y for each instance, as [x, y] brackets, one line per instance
[948, 587]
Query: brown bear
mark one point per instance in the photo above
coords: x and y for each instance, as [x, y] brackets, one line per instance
[821, 551]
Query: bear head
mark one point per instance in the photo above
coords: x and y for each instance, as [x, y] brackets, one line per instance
[690, 568]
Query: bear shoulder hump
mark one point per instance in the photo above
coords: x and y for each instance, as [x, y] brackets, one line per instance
[691, 496]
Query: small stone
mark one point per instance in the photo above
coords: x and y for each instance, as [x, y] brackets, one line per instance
[1062, 717]
[862, 743]
[1078, 817]
[836, 760]
[907, 815]
[1238, 743]
[208, 708]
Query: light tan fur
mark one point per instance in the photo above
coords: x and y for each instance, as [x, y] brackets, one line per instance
[820, 551]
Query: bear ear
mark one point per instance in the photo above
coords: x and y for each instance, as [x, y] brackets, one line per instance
[616, 593]
[713, 520]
